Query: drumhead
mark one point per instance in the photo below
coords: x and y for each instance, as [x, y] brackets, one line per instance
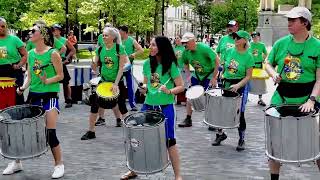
[195, 92]
[95, 81]
[259, 74]
[18, 113]
[148, 118]
[215, 92]
[104, 90]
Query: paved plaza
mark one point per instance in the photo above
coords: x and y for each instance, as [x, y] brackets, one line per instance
[104, 158]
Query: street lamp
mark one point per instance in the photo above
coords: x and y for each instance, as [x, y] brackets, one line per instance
[67, 15]
[164, 5]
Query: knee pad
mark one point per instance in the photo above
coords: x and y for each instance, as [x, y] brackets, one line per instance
[171, 142]
[52, 139]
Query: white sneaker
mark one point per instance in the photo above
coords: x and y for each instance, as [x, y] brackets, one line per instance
[12, 168]
[58, 171]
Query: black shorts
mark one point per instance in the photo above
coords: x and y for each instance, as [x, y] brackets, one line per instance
[66, 75]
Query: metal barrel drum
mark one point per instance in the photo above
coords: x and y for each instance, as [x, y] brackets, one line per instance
[145, 142]
[195, 95]
[258, 83]
[222, 109]
[292, 136]
[22, 132]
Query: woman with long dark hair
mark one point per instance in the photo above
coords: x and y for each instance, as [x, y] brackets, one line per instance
[163, 81]
[43, 76]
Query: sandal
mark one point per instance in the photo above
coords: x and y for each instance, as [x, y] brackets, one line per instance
[128, 175]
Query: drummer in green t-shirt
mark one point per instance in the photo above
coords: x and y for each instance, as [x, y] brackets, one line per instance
[297, 58]
[259, 53]
[227, 41]
[204, 61]
[237, 73]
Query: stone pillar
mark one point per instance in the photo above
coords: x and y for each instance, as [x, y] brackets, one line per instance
[305, 3]
[267, 5]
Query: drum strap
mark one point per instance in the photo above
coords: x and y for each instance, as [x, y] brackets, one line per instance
[258, 64]
[294, 90]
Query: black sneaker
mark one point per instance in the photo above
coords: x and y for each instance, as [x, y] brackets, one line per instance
[219, 139]
[134, 109]
[100, 122]
[186, 123]
[119, 123]
[88, 135]
[261, 103]
[68, 105]
[210, 128]
[240, 146]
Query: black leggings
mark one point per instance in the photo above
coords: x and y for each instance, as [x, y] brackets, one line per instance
[243, 124]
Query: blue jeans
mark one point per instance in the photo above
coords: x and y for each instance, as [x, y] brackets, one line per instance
[129, 80]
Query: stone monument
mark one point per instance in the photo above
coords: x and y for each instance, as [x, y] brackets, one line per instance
[274, 25]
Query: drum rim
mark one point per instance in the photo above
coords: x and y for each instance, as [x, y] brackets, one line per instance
[144, 127]
[151, 172]
[292, 161]
[314, 113]
[235, 97]
[25, 157]
[26, 120]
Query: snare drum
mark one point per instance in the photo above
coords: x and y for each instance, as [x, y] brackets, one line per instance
[22, 132]
[221, 111]
[292, 136]
[7, 92]
[195, 95]
[106, 98]
[145, 142]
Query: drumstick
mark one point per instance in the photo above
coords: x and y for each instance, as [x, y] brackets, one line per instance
[286, 61]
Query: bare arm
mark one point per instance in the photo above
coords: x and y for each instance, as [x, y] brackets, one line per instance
[57, 64]
[27, 80]
[316, 87]
[63, 49]
[243, 82]
[24, 55]
[272, 72]
[72, 50]
[123, 60]
[179, 86]
[139, 49]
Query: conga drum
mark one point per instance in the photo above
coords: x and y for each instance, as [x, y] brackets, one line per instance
[106, 98]
[195, 95]
[22, 132]
[145, 142]
[222, 109]
[258, 84]
[292, 136]
[7, 92]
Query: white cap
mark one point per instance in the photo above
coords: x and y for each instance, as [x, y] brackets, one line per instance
[299, 11]
[187, 37]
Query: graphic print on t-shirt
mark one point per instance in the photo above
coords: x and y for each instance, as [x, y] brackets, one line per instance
[230, 45]
[109, 62]
[292, 68]
[197, 67]
[178, 54]
[3, 52]
[155, 80]
[36, 67]
[233, 66]
[255, 52]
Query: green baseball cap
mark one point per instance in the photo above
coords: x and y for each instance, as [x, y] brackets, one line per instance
[241, 34]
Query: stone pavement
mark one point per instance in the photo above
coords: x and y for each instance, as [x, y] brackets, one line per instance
[103, 158]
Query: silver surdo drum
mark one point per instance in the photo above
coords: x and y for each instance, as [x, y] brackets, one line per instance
[292, 136]
[145, 142]
[222, 109]
[195, 95]
[22, 132]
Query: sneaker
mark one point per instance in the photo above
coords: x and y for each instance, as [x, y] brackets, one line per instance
[186, 123]
[100, 122]
[68, 105]
[134, 109]
[210, 128]
[88, 135]
[261, 103]
[219, 139]
[12, 168]
[58, 171]
[240, 146]
[119, 123]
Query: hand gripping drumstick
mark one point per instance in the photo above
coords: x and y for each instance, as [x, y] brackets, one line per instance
[286, 61]
[219, 78]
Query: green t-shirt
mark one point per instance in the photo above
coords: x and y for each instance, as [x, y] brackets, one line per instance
[129, 46]
[59, 43]
[35, 61]
[100, 40]
[9, 50]
[155, 80]
[298, 69]
[178, 50]
[224, 44]
[202, 59]
[257, 50]
[110, 62]
[237, 64]
[30, 45]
